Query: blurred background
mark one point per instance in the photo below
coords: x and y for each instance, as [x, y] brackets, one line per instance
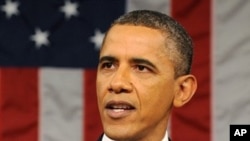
[49, 52]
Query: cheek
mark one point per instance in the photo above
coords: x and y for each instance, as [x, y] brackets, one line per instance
[157, 96]
[100, 87]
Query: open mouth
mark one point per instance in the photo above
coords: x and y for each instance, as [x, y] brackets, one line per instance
[119, 106]
[119, 109]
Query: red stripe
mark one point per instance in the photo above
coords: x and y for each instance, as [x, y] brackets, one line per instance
[19, 104]
[1, 105]
[92, 123]
[193, 121]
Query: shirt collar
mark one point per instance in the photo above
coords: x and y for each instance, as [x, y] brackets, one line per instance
[106, 138]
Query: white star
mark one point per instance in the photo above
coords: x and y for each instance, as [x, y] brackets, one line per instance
[40, 38]
[10, 8]
[69, 9]
[97, 39]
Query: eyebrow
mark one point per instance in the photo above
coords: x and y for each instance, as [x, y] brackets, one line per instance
[107, 58]
[133, 60]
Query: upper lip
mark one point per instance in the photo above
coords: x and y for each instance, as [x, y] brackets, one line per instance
[119, 105]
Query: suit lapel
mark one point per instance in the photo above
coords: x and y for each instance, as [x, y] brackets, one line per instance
[100, 137]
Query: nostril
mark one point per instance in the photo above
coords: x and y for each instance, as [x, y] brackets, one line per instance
[124, 91]
[118, 90]
[110, 90]
[118, 86]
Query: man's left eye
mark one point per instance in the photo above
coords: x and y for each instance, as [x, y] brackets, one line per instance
[142, 68]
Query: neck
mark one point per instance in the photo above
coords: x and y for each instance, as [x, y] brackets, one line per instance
[165, 138]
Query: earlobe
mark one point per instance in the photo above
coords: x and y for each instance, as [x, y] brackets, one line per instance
[186, 87]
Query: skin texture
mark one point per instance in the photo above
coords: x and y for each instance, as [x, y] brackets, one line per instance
[135, 70]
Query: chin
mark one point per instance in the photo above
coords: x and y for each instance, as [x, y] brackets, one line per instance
[121, 138]
[118, 133]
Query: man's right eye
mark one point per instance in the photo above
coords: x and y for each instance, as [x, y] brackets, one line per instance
[107, 65]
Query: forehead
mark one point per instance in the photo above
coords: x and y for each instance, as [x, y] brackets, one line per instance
[134, 39]
[132, 31]
[125, 42]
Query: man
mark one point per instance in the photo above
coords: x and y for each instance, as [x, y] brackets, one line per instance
[143, 71]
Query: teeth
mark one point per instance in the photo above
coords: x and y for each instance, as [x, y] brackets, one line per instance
[120, 107]
[118, 110]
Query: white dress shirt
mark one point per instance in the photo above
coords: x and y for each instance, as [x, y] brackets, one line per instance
[106, 138]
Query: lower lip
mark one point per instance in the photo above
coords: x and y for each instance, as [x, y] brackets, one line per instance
[117, 113]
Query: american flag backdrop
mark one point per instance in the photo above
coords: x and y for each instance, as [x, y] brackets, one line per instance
[49, 52]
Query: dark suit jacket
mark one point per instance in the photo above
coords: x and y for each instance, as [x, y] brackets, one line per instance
[100, 138]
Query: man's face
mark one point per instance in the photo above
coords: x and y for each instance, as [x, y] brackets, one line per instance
[135, 83]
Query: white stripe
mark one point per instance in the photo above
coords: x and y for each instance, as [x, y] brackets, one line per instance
[231, 77]
[158, 5]
[61, 105]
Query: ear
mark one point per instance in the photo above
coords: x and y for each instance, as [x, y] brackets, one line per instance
[186, 86]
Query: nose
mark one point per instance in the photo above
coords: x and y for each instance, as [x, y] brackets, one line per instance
[121, 82]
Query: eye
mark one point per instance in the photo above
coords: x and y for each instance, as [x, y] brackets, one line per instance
[142, 68]
[107, 65]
